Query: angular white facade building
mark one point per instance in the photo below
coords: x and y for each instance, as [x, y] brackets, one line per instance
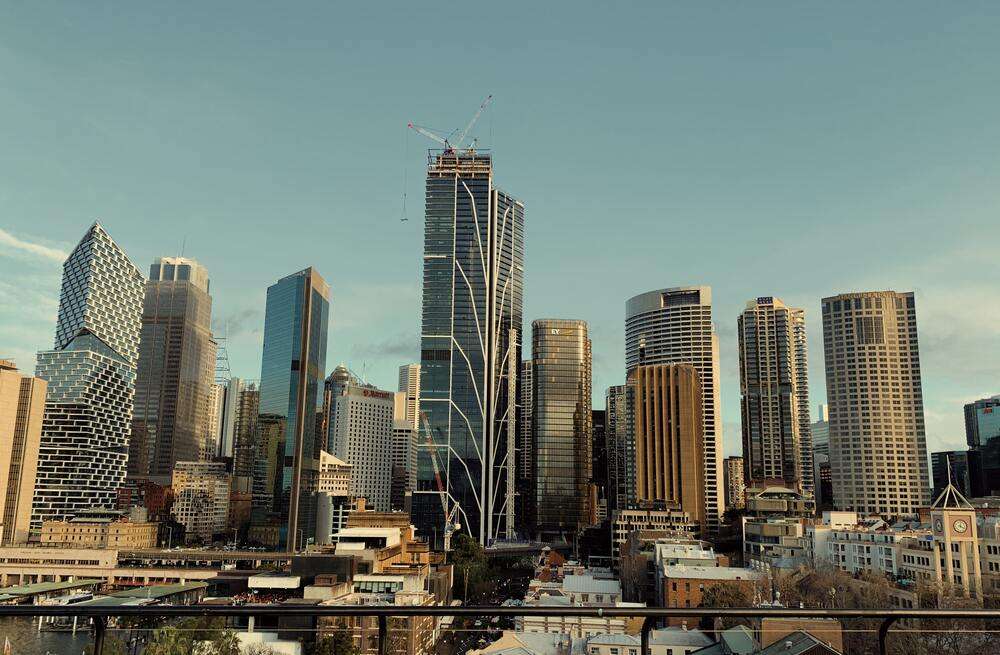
[409, 384]
[91, 381]
[674, 326]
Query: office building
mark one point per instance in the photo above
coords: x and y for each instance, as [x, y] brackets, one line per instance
[822, 476]
[820, 430]
[620, 436]
[22, 407]
[982, 432]
[409, 384]
[333, 387]
[91, 381]
[878, 451]
[599, 460]
[335, 501]
[669, 462]
[522, 456]
[211, 441]
[201, 499]
[363, 437]
[245, 432]
[404, 465]
[958, 462]
[674, 326]
[735, 483]
[774, 394]
[291, 383]
[228, 417]
[470, 350]
[561, 439]
[175, 374]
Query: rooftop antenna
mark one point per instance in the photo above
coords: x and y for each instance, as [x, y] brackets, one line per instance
[184, 244]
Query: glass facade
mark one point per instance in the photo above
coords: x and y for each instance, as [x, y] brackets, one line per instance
[620, 438]
[470, 350]
[561, 436]
[982, 431]
[174, 377]
[290, 396]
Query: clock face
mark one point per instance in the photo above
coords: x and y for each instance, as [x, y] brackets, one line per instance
[960, 526]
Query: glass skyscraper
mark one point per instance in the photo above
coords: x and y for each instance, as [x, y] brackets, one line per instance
[175, 371]
[91, 381]
[470, 350]
[561, 435]
[291, 393]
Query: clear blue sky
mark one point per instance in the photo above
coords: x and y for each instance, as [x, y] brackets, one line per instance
[796, 149]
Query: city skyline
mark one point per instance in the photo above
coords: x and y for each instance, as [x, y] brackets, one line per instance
[942, 208]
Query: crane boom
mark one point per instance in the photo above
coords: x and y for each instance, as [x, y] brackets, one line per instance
[430, 135]
[465, 132]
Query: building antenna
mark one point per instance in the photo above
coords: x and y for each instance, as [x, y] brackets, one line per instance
[406, 166]
[183, 244]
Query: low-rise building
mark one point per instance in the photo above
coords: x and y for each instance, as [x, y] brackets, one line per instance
[685, 586]
[583, 588]
[665, 522]
[101, 528]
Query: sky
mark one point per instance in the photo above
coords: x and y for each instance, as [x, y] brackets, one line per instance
[795, 149]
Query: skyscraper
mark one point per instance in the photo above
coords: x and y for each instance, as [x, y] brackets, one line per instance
[22, 406]
[362, 437]
[561, 442]
[333, 387]
[958, 476]
[409, 383]
[822, 477]
[91, 381]
[674, 326]
[820, 430]
[175, 374]
[878, 451]
[291, 382]
[669, 462]
[620, 436]
[982, 432]
[599, 459]
[245, 438]
[229, 417]
[774, 394]
[470, 350]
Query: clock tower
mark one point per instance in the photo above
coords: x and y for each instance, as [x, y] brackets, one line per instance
[953, 522]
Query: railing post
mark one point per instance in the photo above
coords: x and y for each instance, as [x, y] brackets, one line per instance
[100, 624]
[383, 634]
[647, 626]
[883, 632]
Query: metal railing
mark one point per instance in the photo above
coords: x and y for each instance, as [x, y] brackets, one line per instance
[650, 615]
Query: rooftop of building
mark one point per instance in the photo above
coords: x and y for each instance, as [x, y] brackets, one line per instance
[738, 640]
[796, 643]
[679, 637]
[588, 584]
[681, 571]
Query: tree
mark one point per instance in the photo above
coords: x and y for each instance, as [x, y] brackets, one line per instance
[338, 643]
[112, 646]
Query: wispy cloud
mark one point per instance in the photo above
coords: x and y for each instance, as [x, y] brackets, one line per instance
[402, 345]
[8, 241]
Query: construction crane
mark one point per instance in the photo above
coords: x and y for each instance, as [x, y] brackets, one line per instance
[445, 142]
[450, 524]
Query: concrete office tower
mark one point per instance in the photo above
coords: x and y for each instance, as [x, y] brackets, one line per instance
[599, 461]
[409, 383]
[470, 350]
[620, 434]
[561, 438]
[878, 452]
[669, 462]
[820, 430]
[201, 499]
[982, 432]
[404, 465]
[735, 483]
[291, 382]
[22, 406]
[91, 381]
[674, 326]
[173, 390]
[774, 394]
[362, 437]
[245, 448]
[228, 417]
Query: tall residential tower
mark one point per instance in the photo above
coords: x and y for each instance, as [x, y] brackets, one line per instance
[774, 394]
[878, 451]
[470, 350]
[91, 381]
